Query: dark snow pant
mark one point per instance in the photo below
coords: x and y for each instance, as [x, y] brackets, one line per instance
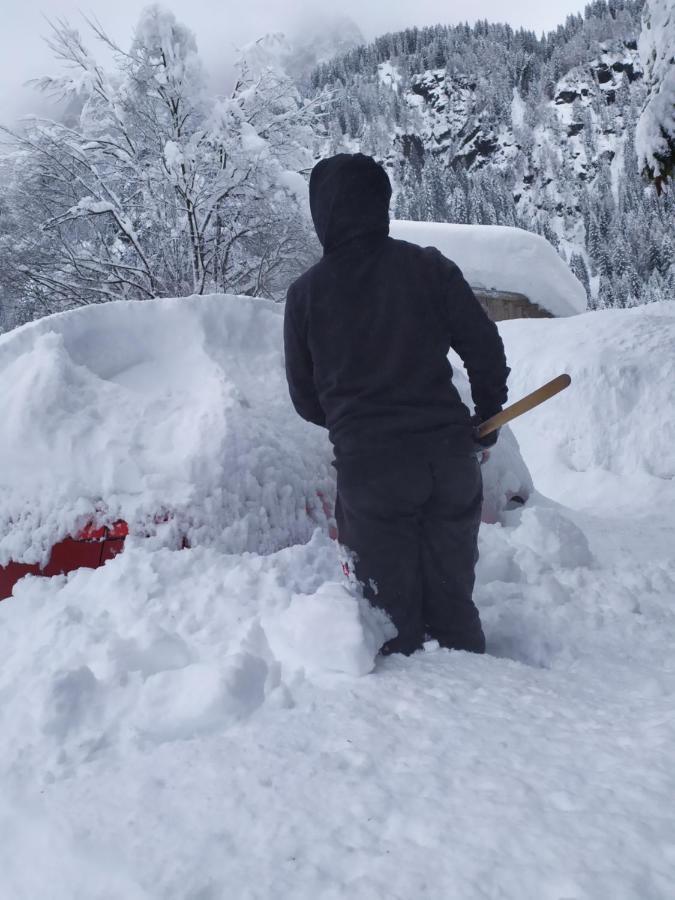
[411, 523]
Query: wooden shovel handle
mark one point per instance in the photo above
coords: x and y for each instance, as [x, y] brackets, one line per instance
[522, 406]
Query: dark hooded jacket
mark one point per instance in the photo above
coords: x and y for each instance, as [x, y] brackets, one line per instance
[367, 330]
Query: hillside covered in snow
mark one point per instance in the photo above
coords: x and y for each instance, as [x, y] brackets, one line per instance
[655, 136]
[488, 125]
[196, 722]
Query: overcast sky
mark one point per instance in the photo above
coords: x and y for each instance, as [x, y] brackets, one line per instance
[222, 25]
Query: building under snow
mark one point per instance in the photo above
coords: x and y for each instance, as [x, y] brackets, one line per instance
[514, 273]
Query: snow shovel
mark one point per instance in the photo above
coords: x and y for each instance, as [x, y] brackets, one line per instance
[548, 390]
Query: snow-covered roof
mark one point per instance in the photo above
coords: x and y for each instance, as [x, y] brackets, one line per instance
[502, 258]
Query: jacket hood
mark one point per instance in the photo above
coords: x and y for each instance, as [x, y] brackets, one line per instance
[349, 196]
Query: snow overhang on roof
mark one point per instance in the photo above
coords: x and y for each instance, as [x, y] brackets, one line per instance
[502, 258]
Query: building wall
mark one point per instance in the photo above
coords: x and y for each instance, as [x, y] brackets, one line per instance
[501, 305]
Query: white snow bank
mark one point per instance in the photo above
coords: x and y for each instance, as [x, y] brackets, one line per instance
[502, 258]
[162, 645]
[610, 437]
[174, 415]
[187, 723]
[158, 738]
[131, 410]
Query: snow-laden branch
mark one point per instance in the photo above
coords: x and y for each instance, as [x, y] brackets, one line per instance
[158, 188]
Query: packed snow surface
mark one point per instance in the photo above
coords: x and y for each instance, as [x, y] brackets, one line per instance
[498, 257]
[206, 723]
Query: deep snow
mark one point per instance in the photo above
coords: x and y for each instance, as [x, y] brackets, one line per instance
[607, 443]
[137, 409]
[193, 724]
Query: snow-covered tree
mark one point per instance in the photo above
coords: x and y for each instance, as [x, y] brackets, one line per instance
[578, 267]
[566, 168]
[655, 134]
[158, 189]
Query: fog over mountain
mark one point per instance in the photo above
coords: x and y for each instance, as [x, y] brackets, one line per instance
[222, 27]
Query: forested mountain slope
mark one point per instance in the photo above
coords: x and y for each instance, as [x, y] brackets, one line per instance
[490, 125]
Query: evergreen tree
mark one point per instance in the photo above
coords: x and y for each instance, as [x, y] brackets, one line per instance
[578, 267]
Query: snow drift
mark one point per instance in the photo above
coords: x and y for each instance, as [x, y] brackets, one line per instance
[132, 411]
[609, 438]
[502, 258]
[190, 724]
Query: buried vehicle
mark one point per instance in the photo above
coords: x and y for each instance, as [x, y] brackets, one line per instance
[167, 421]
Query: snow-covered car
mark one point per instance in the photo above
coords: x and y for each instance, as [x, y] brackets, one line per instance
[170, 418]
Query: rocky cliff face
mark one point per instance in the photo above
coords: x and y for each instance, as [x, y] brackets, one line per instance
[486, 125]
[549, 156]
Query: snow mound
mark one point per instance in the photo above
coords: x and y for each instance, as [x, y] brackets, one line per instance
[299, 638]
[611, 435]
[498, 257]
[174, 415]
[168, 408]
[162, 646]
[216, 693]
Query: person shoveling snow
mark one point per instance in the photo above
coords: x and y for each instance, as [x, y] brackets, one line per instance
[367, 334]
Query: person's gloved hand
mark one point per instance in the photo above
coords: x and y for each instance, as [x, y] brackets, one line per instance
[483, 443]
